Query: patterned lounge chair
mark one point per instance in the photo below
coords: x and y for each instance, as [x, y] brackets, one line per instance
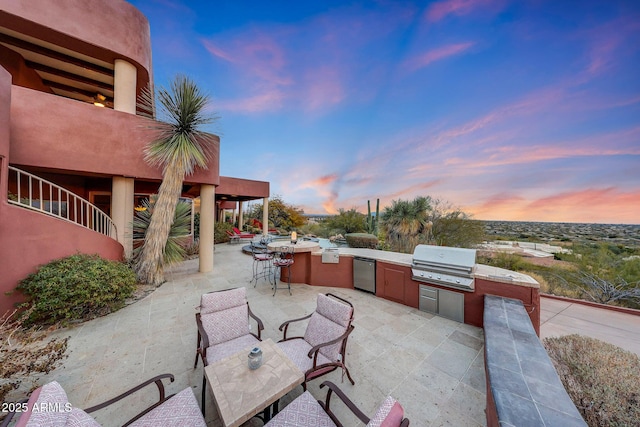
[306, 411]
[223, 327]
[322, 349]
[177, 410]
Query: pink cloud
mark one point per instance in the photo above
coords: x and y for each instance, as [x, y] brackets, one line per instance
[610, 42]
[216, 51]
[434, 55]
[323, 88]
[440, 10]
[323, 180]
[584, 205]
[590, 205]
[315, 64]
[271, 100]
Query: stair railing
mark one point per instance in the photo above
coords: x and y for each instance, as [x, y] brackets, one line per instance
[35, 193]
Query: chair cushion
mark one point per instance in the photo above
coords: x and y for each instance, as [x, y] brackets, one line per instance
[50, 409]
[297, 350]
[303, 411]
[389, 414]
[262, 256]
[222, 350]
[334, 310]
[79, 418]
[283, 262]
[24, 417]
[226, 325]
[180, 410]
[217, 301]
[320, 330]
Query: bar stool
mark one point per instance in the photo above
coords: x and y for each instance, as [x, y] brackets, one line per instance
[261, 264]
[283, 260]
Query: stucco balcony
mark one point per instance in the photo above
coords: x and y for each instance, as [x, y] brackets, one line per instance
[54, 133]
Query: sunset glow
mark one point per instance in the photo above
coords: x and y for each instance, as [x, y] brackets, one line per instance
[509, 110]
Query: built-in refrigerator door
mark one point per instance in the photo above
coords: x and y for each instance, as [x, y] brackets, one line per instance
[364, 274]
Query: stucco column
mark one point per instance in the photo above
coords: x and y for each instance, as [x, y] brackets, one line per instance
[124, 87]
[265, 216]
[122, 210]
[240, 216]
[207, 223]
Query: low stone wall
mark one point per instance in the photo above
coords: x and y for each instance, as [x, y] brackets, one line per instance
[523, 388]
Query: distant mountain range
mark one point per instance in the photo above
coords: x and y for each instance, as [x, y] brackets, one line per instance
[623, 234]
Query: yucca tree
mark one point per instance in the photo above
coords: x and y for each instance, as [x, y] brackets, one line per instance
[181, 147]
[406, 223]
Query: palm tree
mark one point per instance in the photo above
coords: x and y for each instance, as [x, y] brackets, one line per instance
[406, 223]
[180, 147]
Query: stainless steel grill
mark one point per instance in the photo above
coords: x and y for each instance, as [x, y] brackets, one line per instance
[440, 265]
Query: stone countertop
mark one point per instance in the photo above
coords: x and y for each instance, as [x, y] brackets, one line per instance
[524, 384]
[497, 274]
[300, 246]
[494, 274]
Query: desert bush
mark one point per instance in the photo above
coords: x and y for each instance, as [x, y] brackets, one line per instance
[24, 354]
[346, 221]
[362, 240]
[220, 232]
[504, 260]
[312, 229]
[192, 249]
[76, 287]
[602, 379]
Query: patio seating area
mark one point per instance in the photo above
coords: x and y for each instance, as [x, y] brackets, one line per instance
[433, 366]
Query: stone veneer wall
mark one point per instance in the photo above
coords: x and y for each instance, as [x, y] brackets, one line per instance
[523, 388]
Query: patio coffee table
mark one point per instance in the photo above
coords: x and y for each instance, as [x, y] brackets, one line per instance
[240, 393]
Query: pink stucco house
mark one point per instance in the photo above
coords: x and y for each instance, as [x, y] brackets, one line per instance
[71, 171]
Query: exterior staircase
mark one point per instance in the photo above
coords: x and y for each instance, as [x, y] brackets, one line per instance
[37, 194]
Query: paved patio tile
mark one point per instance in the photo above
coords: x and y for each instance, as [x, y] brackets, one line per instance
[433, 366]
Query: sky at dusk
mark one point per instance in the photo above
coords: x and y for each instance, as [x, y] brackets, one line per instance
[523, 110]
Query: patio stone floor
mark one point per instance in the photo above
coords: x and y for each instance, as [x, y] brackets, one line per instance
[433, 366]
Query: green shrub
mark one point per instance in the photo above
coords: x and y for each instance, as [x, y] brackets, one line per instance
[77, 287]
[362, 240]
[220, 232]
[196, 225]
[504, 260]
[602, 379]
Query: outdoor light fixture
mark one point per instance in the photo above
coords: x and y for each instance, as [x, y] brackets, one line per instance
[294, 237]
[99, 100]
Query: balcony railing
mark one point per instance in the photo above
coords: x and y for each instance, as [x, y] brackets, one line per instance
[35, 193]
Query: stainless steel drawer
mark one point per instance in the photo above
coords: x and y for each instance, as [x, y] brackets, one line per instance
[428, 299]
[428, 292]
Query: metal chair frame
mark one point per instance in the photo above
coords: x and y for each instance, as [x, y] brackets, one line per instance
[262, 260]
[282, 259]
[319, 370]
[203, 343]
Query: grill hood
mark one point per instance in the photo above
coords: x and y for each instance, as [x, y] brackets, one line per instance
[441, 265]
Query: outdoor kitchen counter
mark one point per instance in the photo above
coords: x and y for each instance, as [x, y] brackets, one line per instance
[494, 274]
